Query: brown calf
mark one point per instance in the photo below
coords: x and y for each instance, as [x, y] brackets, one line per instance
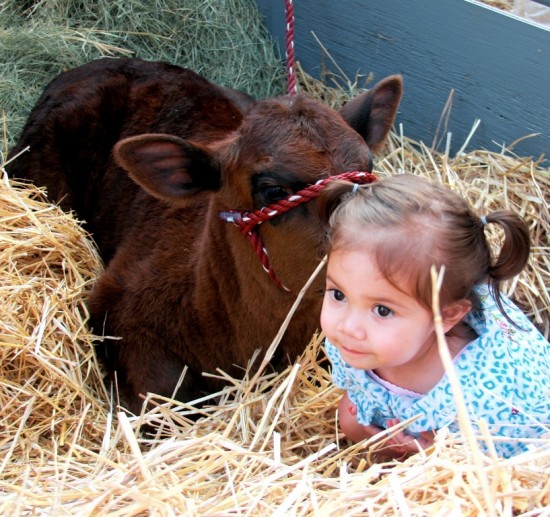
[149, 155]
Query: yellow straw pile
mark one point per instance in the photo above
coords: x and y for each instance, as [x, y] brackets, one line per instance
[266, 445]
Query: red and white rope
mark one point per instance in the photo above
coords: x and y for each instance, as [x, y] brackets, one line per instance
[247, 221]
[290, 58]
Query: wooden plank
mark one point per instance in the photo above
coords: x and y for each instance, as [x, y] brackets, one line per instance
[496, 64]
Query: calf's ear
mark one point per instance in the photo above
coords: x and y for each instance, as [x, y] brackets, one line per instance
[168, 167]
[372, 113]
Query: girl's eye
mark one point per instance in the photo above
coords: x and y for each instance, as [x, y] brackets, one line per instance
[383, 311]
[274, 194]
[337, 295]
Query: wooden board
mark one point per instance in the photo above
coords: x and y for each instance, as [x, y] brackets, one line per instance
[497, 65]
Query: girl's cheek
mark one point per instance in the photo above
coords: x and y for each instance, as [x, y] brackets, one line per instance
[325, 317]
[323, 321]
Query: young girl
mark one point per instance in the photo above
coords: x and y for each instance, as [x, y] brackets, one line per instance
[378, 319]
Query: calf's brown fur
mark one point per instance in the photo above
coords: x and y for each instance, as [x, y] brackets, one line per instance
[148, 154]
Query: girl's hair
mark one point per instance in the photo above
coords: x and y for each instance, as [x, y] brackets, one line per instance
[410, 223]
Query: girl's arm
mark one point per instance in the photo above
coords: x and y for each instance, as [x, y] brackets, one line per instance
[355, 431]
[399, 446]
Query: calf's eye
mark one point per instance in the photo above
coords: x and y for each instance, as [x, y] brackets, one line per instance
[273, 194]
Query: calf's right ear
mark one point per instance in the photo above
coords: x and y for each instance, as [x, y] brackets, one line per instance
[372, 113]
[168, 167]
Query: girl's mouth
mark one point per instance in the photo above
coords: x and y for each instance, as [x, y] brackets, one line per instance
[350, 351]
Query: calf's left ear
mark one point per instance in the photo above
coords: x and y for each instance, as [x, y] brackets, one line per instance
[372, 113]
[168, 167]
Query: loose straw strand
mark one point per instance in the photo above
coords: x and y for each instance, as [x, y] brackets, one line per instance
[462, 412]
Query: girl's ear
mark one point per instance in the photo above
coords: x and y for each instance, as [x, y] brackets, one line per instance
[453, 313]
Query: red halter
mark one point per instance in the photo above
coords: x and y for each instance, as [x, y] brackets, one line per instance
[247, 222]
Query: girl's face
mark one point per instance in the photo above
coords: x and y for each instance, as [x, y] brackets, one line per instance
[374, 325]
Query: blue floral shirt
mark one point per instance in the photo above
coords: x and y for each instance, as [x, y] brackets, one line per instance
[504, 375]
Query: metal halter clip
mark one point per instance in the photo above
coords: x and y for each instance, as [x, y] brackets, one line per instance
[231, 216]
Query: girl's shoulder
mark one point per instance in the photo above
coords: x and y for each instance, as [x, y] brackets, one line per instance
[502, 369]
[495, 331]
[504, 364]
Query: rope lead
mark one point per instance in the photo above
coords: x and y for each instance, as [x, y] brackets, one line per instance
[248, 222]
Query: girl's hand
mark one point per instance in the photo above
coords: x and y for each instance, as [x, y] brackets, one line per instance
[404, 444]
[398, 446]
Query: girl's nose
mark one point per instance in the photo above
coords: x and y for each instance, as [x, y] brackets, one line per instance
[353, 325]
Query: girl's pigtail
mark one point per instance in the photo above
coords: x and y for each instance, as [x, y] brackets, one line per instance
[514, 252]
[515, 248]
[331, 196]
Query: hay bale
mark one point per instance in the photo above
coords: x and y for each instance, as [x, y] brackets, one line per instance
[224, 41]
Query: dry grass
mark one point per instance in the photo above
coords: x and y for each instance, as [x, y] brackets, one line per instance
[226, 42]
[266, 445]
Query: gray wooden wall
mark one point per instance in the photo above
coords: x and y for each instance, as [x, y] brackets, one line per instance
[497, 65]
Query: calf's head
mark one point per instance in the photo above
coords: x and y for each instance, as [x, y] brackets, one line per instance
[281, 146]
